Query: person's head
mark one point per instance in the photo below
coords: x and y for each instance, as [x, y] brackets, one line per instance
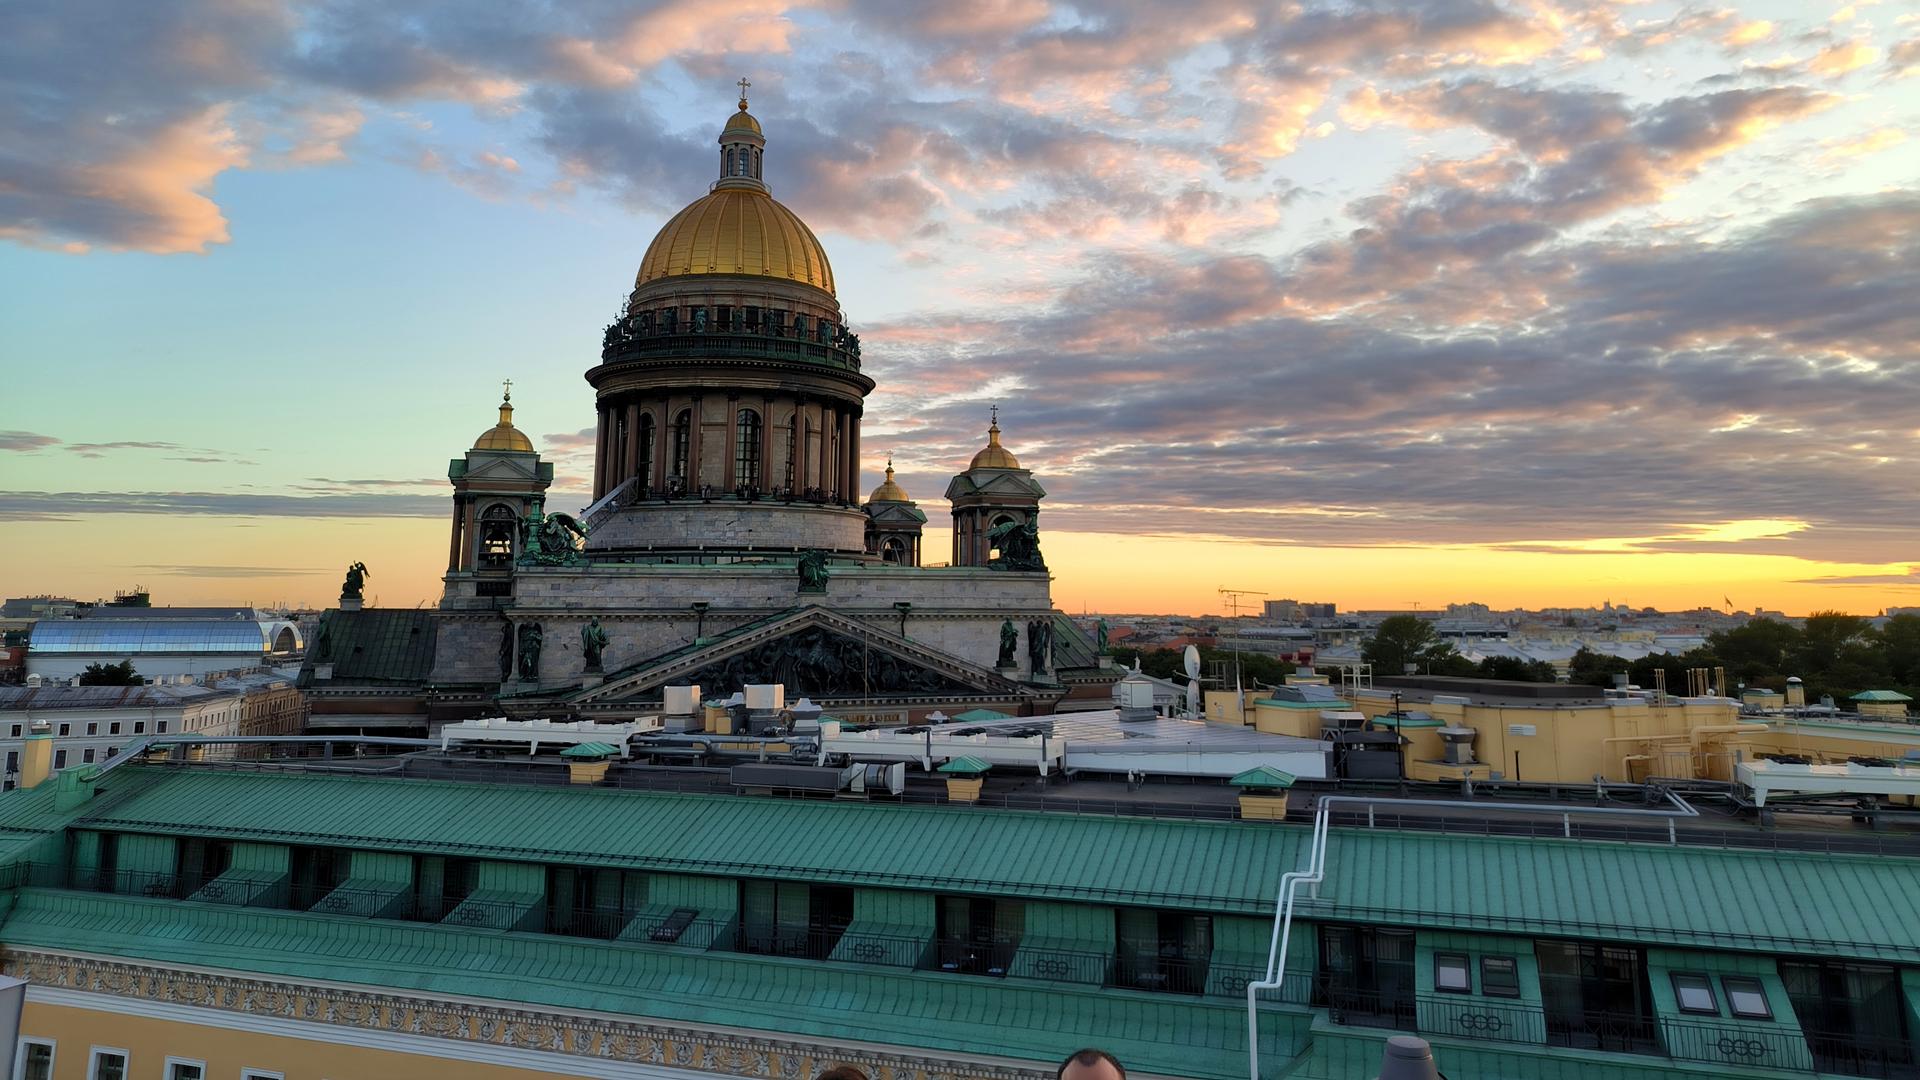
[1091, 1064]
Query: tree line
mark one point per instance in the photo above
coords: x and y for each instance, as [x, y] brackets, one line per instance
[1832, 653]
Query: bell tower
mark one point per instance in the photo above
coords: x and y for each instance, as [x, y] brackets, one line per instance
[894, 523]
[993, 492]
[495, 486]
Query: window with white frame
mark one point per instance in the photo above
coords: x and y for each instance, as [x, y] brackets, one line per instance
[106, 1063]
[261, 1074]
[34, 1059]
[184, 1069]
[1450, 973]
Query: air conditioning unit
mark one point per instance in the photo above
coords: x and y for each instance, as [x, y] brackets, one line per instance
[869, 780]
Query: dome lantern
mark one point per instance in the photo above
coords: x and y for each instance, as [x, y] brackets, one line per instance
[737, 227]
[741, 144]
[889, 489]
[503, 435]
[993, 455]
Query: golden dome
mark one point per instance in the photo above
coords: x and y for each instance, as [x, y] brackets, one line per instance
[993, 455]
[503, 435]
[741, 121]
[737, 230]
[888, 491]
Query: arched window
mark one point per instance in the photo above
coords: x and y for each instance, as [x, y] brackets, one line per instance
[893, 550]
[729, 169]
[646, 451]
[682, 440]
[746, 449]
[987, 540]
[499, 526]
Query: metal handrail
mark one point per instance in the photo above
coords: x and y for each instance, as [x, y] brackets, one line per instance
[1315, 873]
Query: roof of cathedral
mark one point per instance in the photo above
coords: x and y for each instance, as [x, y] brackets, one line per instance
[372, 646]
[503, 435]
[993, 455]
[889, 490]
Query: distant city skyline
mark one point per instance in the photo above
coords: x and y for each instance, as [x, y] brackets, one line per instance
[1539, 302]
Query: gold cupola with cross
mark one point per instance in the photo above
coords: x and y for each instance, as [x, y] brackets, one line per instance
[994, 492]
[894, 523]
[496, 485]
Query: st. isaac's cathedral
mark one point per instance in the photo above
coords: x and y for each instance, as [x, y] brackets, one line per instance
[727, 542]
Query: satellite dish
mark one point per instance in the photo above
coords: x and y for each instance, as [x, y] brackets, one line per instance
[1193, 662]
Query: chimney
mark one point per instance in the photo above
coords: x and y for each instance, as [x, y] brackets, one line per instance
[36, 755]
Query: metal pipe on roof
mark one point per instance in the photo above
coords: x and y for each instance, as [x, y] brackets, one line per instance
[1315, 872]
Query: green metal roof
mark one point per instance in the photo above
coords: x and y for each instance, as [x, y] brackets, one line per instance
[1042, 1022]
[594, 751]
[1205, 865]
[1263, 776]
[965, 766]
[373, 646]
[975, 716]
[1879, 695]
[1769, 900]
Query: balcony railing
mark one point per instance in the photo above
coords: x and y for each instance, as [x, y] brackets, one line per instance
[721, 344]
[1736, 1045]
[847, 945]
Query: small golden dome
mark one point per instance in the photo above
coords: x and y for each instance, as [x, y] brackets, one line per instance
[737, 230]
[503, 435]
[993, 455]
[888, 491]
[741, 121]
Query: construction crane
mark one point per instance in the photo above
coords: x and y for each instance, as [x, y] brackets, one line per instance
[1233, 598]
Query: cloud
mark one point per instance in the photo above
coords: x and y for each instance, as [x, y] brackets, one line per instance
[1843, 57]
[26, 441]
[116, 120]
[66, 505]
[1904, 58]
[1659, 382]
[1840, 150]
[238, 573]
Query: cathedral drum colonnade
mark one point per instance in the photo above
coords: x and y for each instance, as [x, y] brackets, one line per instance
[728, 532]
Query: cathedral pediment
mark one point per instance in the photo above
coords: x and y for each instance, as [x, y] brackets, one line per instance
[816, 653]
[489, 467]
[991, 482]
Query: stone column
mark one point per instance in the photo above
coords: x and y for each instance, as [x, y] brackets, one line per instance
[469, 525]
[696, 430]
[728, 479]
[453, 544]
[766, 443]
[600, 453]
[632, 464]
[853, 457]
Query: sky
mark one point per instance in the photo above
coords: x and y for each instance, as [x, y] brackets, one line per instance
[1385, 302]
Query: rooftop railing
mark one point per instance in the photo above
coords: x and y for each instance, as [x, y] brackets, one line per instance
[723, 344]
[1739, 1046]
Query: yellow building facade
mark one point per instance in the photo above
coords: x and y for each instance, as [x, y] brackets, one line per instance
[1549, 742]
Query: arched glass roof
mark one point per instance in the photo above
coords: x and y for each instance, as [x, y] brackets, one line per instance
[128, 637]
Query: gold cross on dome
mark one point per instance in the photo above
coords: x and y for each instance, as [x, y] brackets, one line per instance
[506, 391]
[995, 410]
[743, 84]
